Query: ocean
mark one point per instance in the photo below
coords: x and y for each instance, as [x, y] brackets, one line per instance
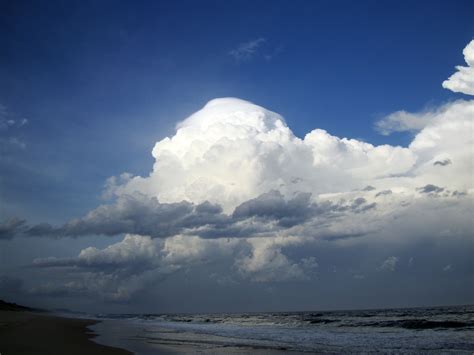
[406, 331]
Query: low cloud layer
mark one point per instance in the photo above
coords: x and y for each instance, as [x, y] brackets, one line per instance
[269, 213]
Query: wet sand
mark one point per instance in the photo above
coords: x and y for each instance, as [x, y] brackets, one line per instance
[37, 333]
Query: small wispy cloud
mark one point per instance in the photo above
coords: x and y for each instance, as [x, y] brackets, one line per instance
[246, 51]
[7, 119]
[10, 144]
[448, 268]
[390, 264]
[10, 124]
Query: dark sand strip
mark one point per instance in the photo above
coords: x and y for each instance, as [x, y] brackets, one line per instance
[36, 333]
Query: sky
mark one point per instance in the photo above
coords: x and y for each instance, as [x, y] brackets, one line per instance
[190, 156]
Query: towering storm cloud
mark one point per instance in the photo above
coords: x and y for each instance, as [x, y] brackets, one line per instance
[233, 150]
[235, 169]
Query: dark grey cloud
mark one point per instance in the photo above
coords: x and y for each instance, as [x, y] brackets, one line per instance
[297, 210]
[442, 162]
[138, 214]
[128, 269]
[296, 180]
[272, 205]
[271, 212]
[358, 202]
[208, 208]
[11, 227]
[430, 188]
[383, 193]
[360, 205]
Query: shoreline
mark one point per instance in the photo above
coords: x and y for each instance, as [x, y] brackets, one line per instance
[426, 330]
[153, 339]
[30, 332]
[24, 332]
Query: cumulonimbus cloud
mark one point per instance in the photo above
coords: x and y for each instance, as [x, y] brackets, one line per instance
[235, 169]
[235, 181]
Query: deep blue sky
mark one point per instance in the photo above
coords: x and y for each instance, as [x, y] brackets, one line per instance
[101, 81]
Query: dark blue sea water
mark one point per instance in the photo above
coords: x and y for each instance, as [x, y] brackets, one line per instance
[411, 330]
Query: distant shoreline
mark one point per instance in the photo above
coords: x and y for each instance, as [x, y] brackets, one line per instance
[27, 332]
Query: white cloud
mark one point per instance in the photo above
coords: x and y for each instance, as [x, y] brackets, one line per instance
[402, 121]
[447, 137]
[232, 151]
[266, 262]
[463, 80]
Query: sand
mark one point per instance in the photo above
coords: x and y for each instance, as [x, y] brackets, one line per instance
[37, 333]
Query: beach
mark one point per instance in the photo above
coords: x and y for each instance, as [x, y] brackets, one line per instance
[41, 333]
[405, 330]
[26, 332]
